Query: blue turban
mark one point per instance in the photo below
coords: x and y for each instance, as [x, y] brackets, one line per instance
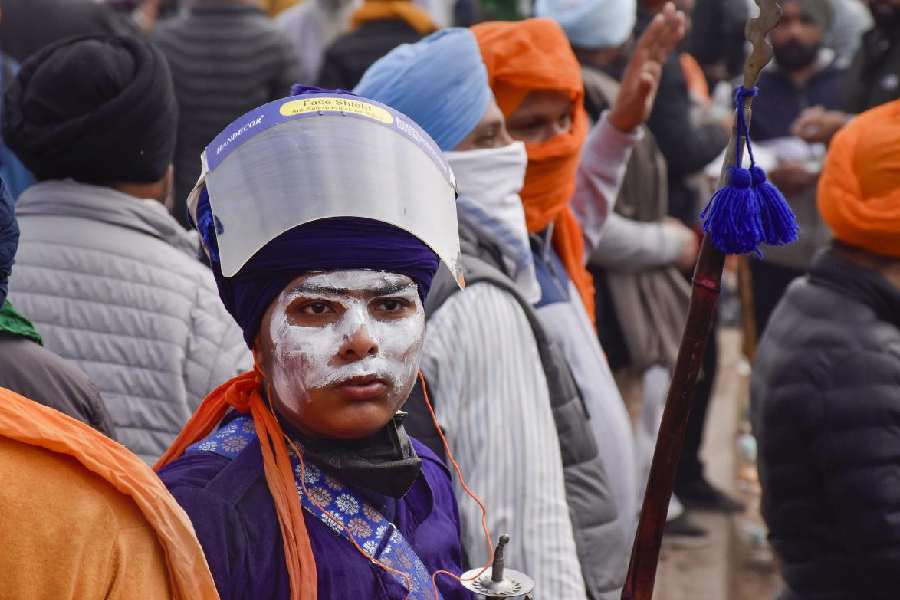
[343, 243]
[9, 239]
[440, 83]
[591, 24]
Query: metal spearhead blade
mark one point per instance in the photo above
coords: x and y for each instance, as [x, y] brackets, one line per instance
[497, 581]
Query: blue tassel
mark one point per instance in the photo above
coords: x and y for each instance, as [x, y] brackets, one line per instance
[779, 224]
[732, 217]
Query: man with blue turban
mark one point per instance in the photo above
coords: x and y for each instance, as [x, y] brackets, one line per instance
[591, 24]
[488, 360]
[325, 217]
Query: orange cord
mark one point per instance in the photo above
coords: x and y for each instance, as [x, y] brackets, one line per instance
[469, 492]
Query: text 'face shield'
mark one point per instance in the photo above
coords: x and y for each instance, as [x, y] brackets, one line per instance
[314, 157]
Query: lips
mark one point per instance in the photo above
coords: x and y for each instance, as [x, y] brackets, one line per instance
[362, 388]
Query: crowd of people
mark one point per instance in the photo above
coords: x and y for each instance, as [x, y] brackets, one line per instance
[316, 299]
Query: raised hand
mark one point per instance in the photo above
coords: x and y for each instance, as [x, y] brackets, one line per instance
[640, 82]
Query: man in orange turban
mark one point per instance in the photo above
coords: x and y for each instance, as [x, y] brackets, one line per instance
[826, 384]
[571, 180]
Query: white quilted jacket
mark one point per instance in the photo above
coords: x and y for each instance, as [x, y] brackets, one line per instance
[112, 282]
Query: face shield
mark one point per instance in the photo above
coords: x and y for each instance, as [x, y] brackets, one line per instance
[320, 156]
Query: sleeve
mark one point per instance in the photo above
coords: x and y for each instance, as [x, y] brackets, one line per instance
[631, 246]
[857, 451]
[599, 177]
[687, 146]
[492, 401]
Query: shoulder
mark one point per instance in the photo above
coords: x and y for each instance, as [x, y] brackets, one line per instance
[477, 321]
[40, 375]
[472, 306]
[436, 474]
[209, 476]
[46, 493]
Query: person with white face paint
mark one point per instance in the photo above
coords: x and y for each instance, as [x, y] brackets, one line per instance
[298, 476]
[503, 394]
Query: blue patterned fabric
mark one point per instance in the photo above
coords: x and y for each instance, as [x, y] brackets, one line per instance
[335, 505]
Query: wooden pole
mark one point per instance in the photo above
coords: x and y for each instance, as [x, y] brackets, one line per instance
[707, 280]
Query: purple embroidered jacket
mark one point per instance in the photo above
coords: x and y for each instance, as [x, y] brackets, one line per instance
[233, 514]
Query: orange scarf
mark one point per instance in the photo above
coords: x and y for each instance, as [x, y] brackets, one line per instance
[403, 10]
[859, 189]
[30, 423]
[243, 394]
[526, 56]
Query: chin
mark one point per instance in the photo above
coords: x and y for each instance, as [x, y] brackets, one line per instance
[356, 421]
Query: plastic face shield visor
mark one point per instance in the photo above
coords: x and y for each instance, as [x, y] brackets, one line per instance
[318, 156]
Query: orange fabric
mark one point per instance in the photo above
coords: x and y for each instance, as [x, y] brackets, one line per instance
[107, 550]
[859, 189]
[694, 77]
[379, 10]
[31, 424]
[243, 394]
[527, 56]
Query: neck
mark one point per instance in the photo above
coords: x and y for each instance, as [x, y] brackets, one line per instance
[888, 267]
[892, 274]
[144, 191]
[800, 76]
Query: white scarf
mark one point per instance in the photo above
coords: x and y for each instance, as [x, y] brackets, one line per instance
[489, 181]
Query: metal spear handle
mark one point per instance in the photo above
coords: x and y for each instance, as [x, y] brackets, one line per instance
[707, 280]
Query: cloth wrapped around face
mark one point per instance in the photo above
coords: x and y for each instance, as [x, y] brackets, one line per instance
[320, 181]
[531, 56]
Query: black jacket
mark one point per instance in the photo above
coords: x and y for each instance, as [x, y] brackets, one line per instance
[351, 54]
[780, 101]
[825, 395]
[874, 77]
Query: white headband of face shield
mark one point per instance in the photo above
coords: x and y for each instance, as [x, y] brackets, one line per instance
[316, 161]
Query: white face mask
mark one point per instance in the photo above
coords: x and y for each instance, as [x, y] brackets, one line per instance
[489, 181]
[353, 303]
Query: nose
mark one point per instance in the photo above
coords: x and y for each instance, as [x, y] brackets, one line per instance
[358, 345]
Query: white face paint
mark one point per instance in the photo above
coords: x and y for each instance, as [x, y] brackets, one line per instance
[315, 323]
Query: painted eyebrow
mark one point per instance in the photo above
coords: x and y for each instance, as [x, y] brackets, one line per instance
[305, 288]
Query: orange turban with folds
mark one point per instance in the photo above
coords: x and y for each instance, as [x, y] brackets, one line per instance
[529, 56]
[859, 190]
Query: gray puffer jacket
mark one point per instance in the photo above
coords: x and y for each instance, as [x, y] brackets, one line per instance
[113, 283]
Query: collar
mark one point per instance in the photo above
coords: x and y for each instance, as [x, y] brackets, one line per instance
[868, 287]
[13, 323]
[543, 240]
[826, 61]
[384, 463]
[68, 198]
